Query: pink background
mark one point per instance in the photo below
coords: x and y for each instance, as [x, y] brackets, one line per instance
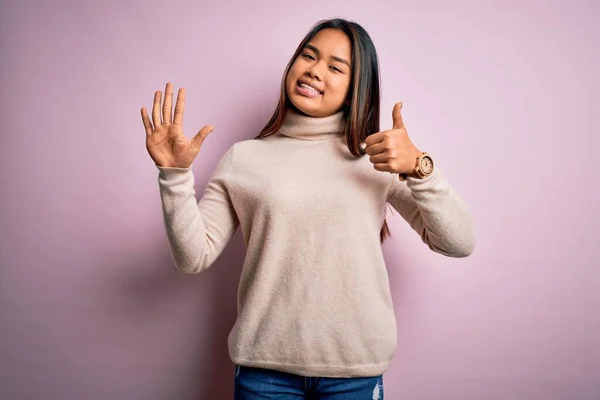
[501, 93]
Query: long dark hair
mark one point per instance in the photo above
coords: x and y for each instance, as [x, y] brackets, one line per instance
[361, 111]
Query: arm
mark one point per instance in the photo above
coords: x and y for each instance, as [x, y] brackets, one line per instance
[436, 212]
[197, 232]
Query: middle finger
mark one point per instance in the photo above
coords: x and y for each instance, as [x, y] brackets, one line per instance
[168, 104]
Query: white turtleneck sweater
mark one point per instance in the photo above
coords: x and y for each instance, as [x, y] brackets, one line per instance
[314, 297]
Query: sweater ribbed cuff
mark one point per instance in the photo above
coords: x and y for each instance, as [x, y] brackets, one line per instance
[173, 173]
[427, 183]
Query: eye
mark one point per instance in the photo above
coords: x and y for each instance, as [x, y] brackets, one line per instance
[306, 55]
[335, 69]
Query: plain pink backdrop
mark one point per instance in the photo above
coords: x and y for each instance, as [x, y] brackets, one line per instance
[503, 94]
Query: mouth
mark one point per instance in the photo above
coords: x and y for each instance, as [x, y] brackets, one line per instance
[309, 88]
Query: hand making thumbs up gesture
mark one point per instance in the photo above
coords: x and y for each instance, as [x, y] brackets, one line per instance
[165, 141]
[392, 150]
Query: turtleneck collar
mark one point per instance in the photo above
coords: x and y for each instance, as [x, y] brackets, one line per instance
[304, 127]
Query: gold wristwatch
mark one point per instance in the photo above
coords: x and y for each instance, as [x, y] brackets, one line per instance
[423, 167]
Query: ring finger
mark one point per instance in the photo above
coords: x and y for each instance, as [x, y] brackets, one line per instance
[156, 109]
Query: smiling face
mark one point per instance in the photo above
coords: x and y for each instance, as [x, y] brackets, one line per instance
[318, 81]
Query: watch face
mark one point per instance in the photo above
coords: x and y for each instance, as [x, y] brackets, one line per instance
[427, 165]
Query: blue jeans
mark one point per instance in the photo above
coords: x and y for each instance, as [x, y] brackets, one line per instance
[257, 383]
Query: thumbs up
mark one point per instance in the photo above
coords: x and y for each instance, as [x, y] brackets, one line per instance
[392, 150]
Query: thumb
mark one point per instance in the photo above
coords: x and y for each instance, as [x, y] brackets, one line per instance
[197, 141]
[397, 116]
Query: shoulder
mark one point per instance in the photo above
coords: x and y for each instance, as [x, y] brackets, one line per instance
[247, 152]
[251, 147]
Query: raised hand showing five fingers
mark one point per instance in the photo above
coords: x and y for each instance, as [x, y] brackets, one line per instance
[165, 141]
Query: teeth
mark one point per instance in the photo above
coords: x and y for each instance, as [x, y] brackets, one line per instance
[304, 85]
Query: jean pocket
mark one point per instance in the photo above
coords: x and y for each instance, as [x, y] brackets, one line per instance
[237, 370]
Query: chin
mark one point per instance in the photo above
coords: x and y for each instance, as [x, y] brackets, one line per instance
[310, 111]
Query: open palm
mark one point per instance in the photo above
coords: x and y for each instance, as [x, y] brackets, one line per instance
[165, 141]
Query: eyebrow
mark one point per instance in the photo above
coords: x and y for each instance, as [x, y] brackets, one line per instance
[343, 61]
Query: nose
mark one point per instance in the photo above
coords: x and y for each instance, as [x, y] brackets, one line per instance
[315, 71]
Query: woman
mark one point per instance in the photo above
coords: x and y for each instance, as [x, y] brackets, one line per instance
[315, 313]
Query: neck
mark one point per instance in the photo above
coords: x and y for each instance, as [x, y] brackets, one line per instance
[305, 127]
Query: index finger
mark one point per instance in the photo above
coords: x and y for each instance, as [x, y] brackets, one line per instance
[373, 138]
[179, 107]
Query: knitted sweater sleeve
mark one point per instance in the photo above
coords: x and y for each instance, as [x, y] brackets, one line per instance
[436, 212]
[197, 231]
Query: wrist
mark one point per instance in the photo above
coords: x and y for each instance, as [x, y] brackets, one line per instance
[423, 166]
[413, 174]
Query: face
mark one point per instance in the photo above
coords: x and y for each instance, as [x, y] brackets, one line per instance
[318, 81]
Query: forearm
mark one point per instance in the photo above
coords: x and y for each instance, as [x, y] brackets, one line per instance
[436, 212]
[447, 224]
[184, 225]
